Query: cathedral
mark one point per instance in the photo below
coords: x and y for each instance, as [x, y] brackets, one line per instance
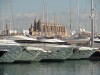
[47, 29]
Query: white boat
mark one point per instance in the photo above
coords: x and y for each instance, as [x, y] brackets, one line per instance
[83, 49]
[17, 52]
[80, 37]
[85, 52]
[82, 52]
[13, 49]
[59, 49]
[97, 42]
[30, 54]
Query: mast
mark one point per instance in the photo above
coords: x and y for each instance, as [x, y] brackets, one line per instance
[54, 25]
[44, 13]
[78, 26]
[70, 16]
[12, 14]
[95, 23]
[92, 25]
[2, 18]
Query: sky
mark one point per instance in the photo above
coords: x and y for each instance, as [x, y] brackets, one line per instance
[20, 14]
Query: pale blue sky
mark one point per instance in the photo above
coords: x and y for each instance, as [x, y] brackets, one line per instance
[24, 12]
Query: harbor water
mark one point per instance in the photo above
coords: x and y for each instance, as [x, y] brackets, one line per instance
[69, 67]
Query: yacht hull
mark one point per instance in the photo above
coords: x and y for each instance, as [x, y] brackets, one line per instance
[82, 54]
[19, 54]
[29, 54]
[57, 52]
[2, 52]
[11, 54]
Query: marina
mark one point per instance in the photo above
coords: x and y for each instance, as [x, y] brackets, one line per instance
[49, 37]
[42, 49]
[45, 41]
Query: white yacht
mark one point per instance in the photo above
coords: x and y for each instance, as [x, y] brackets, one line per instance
[97, 42]
[60, 50]
[82, 42]
[86, 52]
[12, 50]
[15, 52]
[80, 37]
[56, 49]
[82, 52]
[30, 54]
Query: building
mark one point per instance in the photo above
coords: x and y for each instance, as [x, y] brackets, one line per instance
[47, 29]
[8, 31]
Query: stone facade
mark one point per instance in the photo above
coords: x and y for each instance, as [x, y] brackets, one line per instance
[47, 29]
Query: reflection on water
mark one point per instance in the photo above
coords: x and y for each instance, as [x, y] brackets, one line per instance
[77, 67]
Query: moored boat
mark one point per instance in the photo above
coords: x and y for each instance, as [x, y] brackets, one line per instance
[82, 52]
